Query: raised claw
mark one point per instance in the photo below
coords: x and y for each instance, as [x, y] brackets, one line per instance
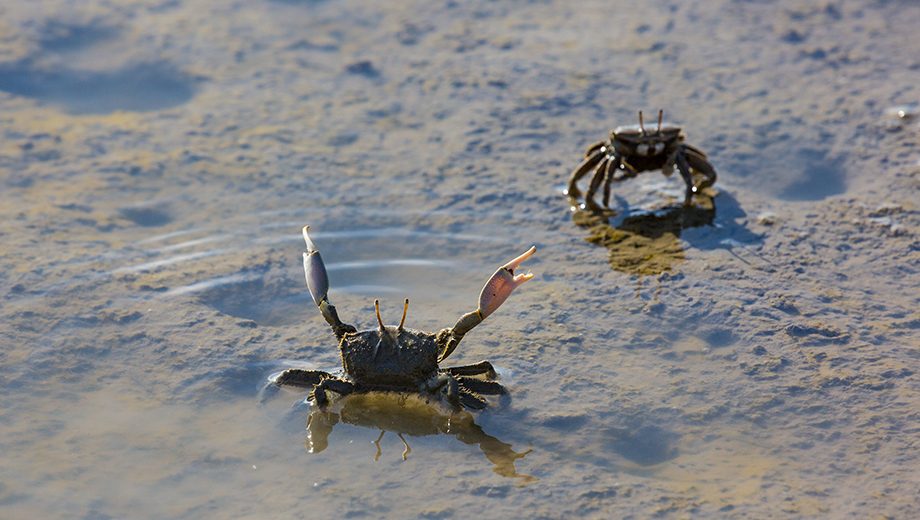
[502, 283]
[314, 270]
[493, 294]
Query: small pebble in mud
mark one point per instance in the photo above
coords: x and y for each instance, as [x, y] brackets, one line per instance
[903, 112]
[766, 219]
[897, 116]
[886, 208]
[759, 350]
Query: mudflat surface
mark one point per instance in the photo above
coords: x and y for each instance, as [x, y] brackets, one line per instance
[753, 356]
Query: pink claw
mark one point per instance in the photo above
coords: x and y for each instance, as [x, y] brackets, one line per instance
[502, 284]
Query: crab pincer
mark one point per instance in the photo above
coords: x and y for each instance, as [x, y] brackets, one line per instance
[315, 271]
[318, 282]
[502, 283]
[494, 293]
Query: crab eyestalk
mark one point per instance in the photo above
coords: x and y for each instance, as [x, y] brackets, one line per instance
[379, 319]
[403, 320]
[494, 293]
[450, 390]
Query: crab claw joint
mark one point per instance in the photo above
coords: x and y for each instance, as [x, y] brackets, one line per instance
[315, 271]
[502, 283]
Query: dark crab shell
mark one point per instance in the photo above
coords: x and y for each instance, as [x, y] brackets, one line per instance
[390, 357]
[633, 149]
[634, 140]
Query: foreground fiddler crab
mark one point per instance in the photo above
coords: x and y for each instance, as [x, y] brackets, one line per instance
[632, 150]
[401, 359]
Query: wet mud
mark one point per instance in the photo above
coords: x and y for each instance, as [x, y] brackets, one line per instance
[750, 359]
[645, 243]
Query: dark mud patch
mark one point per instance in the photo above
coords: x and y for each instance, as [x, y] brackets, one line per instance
[363, 68]
[259, 303]
[646, 243]
[647, 446]
[62, 37]
[147, 216]
[246, 380]
[821, 177]
[141, 87]
[133, 87]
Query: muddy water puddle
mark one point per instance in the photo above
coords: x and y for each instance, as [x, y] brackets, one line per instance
[134, 393]
[138, 394]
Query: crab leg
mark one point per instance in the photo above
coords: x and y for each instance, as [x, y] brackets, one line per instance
[595, 154]
[483, 367]
[301, 378]
[596, 180]
[318, 283]
[684, 168]
[697, 161]
[481, 387]
[493, 294]
[332, 384]
[408, 449]
[377, 443]
[612, 168]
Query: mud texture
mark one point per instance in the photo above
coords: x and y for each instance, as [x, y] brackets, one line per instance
[753, 359]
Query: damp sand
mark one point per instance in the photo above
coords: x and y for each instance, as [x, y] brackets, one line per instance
[753, 359]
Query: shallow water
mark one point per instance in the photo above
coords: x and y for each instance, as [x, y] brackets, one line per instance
[753, 358]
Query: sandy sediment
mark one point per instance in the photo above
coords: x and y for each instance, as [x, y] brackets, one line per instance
[754, 359]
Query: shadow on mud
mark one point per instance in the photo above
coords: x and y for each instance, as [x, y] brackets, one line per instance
[407, 416]
[133, 87]
[142, 87]
[647, 446]
[645, 242]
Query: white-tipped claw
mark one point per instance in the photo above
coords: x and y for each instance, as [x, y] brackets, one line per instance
[306, 238]
[514, 264]
[502, 284]
[315, 271]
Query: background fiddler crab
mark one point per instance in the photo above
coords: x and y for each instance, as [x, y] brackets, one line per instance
[401, 359]
[633, 149]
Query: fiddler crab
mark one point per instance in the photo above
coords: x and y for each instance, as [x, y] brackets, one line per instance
[633, 149]
[401, 359]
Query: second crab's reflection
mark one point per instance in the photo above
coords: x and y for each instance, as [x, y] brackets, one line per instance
[409, 416]
[646, 241]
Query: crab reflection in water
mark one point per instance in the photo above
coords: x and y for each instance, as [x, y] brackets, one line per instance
[646, 242]
[412, 416]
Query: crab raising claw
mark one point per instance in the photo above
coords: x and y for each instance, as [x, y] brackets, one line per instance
[397, 358]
